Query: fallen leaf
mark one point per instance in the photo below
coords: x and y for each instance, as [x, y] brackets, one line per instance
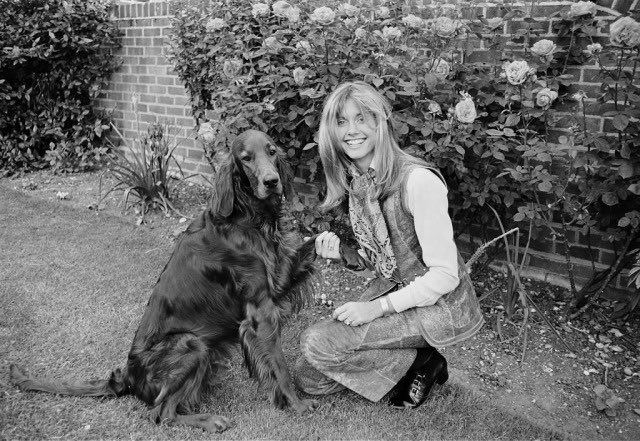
[615, 332]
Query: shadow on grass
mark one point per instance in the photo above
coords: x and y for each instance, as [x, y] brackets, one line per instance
[74, 286]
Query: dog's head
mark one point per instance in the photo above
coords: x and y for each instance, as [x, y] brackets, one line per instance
[257, 159]
[255, 166]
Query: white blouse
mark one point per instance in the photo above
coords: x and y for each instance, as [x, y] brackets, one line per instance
[426, 200]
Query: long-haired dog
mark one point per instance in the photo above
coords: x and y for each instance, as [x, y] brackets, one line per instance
[233, 276]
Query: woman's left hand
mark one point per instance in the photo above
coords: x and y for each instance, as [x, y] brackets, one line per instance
[358, 313]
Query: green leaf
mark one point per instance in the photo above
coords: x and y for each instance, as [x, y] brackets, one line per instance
[634, 188]
[620, 122]
[512, 120]
[625, 170]
[610, 198]
[624, 222]
[545, 186]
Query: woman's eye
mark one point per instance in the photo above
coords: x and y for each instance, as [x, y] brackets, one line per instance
[342, 122]
[246, 158]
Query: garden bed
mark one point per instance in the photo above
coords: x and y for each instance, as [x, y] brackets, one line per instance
[552, 384]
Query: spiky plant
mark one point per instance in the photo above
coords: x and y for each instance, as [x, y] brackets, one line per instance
[142, 168]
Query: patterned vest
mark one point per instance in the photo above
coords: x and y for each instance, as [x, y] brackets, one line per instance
[456, 316]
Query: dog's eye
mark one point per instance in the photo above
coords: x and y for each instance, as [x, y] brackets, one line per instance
[273, 150]
[245, 158]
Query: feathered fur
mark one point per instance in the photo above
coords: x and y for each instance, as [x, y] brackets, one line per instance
[233, 277]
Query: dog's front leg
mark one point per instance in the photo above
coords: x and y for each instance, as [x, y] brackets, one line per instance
[260, 339]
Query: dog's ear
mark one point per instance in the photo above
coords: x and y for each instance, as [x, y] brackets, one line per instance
[222, 198]
[286, 174]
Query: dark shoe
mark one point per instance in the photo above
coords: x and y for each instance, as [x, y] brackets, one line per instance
[414, 388]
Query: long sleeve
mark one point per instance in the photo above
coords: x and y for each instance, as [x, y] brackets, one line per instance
[426, 200]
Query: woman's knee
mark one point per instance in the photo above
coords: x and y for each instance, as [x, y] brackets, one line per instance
[325, 343]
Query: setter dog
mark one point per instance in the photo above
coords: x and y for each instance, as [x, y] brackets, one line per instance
[233, 277]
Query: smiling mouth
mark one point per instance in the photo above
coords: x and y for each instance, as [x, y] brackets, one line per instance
[355, 141]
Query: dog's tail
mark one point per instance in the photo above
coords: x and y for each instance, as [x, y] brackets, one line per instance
[115, 386]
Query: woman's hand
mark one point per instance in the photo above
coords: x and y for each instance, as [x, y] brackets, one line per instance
[358, 313]
[328, 245]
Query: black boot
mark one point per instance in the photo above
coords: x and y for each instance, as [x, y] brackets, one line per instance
[412, 390]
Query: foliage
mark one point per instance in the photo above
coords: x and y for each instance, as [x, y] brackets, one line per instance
[143, 168]
[492, 126]
[54, 60]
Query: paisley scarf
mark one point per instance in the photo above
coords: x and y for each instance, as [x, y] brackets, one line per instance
[369, 225]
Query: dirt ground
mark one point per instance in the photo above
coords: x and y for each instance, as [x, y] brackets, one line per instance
[582, 380]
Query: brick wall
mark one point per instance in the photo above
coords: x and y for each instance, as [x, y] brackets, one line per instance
[146, 75]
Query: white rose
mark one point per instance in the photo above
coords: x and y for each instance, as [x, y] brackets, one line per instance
[361, 33]
[546, 97]
[391, 33]
[625, 32]
[412, 21]
[593, 49]
[349, 9]
[434, 107]
[231, 68]
[444, 27]
[579, 9]
[465, 111]
[383, 12]
[299, 74]
[579, 96]
[281, 8]
[293, 14]
[516, 71]
[441, 67]
[260, 10]
[323, 15]
[206, 133]
[543, 48]
[215, 24]
[350, 23]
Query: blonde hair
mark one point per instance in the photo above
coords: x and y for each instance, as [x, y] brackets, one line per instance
[387, 157]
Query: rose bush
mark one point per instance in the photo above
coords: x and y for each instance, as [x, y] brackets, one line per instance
[494, 142]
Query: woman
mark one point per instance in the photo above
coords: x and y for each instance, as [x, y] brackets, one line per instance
[422, 297]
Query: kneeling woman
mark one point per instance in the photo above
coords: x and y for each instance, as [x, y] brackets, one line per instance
[422, 297]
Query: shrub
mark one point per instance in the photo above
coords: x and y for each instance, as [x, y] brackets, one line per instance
[55, 59]
[491, 127]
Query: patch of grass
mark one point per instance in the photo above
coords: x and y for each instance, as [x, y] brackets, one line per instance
[73, 289]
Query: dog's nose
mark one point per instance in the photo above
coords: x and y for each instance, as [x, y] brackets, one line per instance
[271, 182]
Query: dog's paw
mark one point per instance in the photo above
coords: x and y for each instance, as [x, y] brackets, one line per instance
[306, 405]
[217, 423]
[208, 422]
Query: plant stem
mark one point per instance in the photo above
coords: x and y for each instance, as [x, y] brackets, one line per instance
[613, 271]
[567, 256]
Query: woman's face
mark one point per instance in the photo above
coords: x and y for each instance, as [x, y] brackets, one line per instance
[357, 133]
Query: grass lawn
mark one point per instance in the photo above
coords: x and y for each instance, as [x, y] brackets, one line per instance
[73, 288]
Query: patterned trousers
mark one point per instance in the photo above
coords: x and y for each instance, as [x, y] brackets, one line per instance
[368, 359]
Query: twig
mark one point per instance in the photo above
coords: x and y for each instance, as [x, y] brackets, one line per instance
[487, 294]
[524, 342]
[578, 329]
[499, 327]
[555, 331]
